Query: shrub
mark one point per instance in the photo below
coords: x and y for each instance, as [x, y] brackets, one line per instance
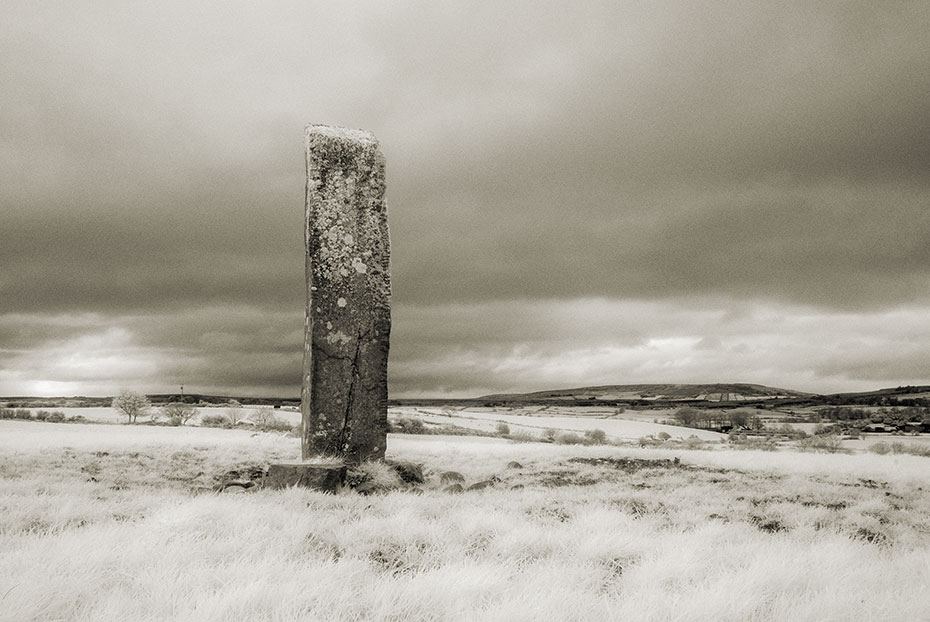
[880, 448]
[762, 443]
[22, 413]
[595, 436]
[569, 438]
[265, 420]
[787, 430]
[828, 443]
[179, 413]
[278, 425]
[913, 450]
[131, 404]
[56, 417]
[693, 442]
[263, 416]
[234, 412]
[522, 436]
[7, 413]
[214, 421]
[503, 429]
[664, 436]
[42, 415]
[549, 435]
[687, 416]
[409, 425]
[740, 418]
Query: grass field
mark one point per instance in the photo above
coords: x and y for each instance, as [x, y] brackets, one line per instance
[536, 420]
[104, 522]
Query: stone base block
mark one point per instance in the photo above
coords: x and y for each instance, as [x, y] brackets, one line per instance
[325, 477]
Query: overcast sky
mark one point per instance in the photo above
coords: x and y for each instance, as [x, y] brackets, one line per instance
[579, 193]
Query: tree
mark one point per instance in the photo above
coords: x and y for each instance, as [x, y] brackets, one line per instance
[687, 416]
[739, 418]
[234, 411]
[179, 413]
[131, 404]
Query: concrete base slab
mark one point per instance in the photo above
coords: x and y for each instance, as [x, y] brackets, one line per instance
[325, 477]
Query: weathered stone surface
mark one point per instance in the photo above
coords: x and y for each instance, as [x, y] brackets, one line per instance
[327, 477]
[348, 319]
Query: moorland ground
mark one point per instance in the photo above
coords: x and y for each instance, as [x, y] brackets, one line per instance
[110, 522]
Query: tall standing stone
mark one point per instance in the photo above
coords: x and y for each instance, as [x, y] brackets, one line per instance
[348, 321]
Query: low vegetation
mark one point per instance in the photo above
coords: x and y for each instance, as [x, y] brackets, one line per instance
[564, 532]
[53, 416]
[883, 448]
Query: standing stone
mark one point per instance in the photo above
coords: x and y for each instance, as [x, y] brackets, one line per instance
[348, 321]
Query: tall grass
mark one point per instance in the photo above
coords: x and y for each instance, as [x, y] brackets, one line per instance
[113, 524]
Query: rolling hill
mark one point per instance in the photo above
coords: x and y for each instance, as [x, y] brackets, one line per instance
[654, 392]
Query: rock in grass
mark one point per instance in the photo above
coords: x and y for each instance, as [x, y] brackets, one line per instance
[481, 485]
[451, 476]
[454, 488]
[513, 464]
[247, 478]
[324, 477]
[410, 473]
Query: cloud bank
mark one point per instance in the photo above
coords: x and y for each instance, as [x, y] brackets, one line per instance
[576, 194]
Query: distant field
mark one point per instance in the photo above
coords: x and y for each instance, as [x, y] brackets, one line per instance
[105, 414]
[116, 523]
[531, 419]
[536, 420]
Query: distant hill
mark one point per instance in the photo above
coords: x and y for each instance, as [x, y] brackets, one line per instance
[716, 395]
[654, 392]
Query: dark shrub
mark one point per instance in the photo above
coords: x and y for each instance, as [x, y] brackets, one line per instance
[214, 421]
[569, 438]
[409, 425]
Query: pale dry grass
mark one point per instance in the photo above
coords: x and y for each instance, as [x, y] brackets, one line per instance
[536, 421]
[92, 530]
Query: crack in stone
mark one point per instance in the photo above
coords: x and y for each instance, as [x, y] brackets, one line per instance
[346, 423]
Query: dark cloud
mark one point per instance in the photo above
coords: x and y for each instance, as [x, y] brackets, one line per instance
[151, 163]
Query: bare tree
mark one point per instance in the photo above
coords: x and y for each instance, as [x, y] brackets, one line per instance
[264, 416]
[179, 413]
[234, 411]
[131, 404]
